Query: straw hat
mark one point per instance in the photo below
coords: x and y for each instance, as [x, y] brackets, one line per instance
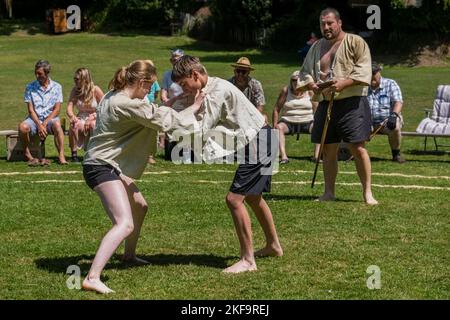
[295, 74]
[303, 83]
[243, 63]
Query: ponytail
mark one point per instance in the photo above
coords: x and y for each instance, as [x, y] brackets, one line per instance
[126, 76]
[118, 82]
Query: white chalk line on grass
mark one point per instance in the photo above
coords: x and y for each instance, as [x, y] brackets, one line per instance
[37, 173]
[49, 181]
[393, 186]
[341, 184]
[393, 174]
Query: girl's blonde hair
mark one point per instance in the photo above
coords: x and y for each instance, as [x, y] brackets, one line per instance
[129, 75]
[86, 92]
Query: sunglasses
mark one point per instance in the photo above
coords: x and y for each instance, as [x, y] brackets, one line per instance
[241, 71]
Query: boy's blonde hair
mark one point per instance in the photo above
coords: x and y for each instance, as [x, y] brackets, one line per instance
[184, 67]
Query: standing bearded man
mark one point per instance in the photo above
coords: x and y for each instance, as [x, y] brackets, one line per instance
[343, 60]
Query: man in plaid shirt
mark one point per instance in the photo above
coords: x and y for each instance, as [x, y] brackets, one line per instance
[385, 99]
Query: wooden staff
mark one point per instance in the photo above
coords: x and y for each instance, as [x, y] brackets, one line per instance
[322, 140]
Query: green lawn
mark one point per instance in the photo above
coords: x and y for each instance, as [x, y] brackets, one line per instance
[50, 219]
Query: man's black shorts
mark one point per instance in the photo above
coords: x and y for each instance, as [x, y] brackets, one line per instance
[350, 121]
[97, 174]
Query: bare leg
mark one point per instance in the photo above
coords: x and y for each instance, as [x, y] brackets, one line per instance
[161, 141]
[24, 134]
[59, 140]
[363, 167]
[243, 227]
[282, 130]
[265, 219]
[115, 200]
[395, 138]
[139, 210]
[330, 170]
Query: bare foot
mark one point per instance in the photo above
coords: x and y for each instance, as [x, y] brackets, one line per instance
[135, 261]
[370, 200]
[241, 266]
[28, 156]
[62, 160]
[96, 285]
[44, 162]
[326, 197]
[269, 251]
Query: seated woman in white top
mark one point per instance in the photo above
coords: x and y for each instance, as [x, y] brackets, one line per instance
[293, 112]
[85, 96]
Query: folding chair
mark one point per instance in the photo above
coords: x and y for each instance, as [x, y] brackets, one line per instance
[439, 120]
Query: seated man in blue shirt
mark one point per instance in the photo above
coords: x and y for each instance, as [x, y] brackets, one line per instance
[385, 99]
[43, 98]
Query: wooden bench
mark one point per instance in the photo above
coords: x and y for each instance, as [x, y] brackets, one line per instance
[14, 147]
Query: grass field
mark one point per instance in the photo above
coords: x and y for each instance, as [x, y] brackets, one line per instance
[51, 220]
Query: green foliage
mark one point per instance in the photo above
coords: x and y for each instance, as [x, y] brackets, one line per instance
[138, 14]
[245, 13]
[125, 14]
[431, 18]
[256, 11]
[239, 21]
[289, 22]
[292, 24]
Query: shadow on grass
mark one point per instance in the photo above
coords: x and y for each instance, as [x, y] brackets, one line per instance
[260, 56]
[430, 153]
[375, 159]
[282, 197]
[60, 264]
[307, 158]
[8, 27]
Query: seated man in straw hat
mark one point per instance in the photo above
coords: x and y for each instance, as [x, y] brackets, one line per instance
[251, 87]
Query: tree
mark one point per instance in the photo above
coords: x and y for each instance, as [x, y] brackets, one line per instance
[8, 4]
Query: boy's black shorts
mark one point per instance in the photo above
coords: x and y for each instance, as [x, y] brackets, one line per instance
[255, 177]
